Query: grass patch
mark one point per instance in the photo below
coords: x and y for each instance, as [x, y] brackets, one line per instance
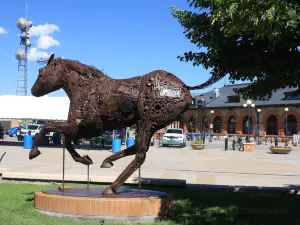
[214, 207]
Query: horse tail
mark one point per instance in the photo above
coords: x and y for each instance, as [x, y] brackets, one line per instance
[213, 79]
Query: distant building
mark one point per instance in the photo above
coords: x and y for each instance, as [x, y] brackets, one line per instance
[230, 117]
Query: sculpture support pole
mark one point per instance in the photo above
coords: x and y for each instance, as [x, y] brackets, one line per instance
[64, 155]
[139, 178]
[88, 176]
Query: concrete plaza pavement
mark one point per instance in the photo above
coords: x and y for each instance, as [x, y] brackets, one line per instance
[212, 166]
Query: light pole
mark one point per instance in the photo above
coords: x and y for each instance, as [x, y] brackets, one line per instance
[248, 104]
[286, 126]
[201, 106]
[211, 113]
[258, 123]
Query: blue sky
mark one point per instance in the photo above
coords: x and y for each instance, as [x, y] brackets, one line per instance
[124, 38]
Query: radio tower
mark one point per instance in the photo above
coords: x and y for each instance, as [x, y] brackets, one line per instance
[21, 54]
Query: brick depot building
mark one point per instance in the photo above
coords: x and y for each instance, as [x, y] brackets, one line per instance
[224, 113]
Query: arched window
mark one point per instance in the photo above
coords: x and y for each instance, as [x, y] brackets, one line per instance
[246, 124]
[217, 124]
[291, 125]
[272, 125]
[231, 125]
[205, 123]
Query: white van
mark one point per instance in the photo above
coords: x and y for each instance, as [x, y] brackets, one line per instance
[174, 136]
[33, 128]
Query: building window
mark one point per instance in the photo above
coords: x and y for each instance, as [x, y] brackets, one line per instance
[233, 99]
[272, 125]
[291, 125]
[231, 125]
[292, 95]
[246, 124]
[217, 124]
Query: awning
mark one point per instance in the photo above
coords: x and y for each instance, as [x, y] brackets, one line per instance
[30, 107]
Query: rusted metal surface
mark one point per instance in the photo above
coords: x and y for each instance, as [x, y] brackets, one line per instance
[97, 193]
[99, 103]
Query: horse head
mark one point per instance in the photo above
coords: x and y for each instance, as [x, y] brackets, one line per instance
[48, 79]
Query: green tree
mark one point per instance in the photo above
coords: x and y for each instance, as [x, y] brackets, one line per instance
[191, 124]
[249, 40]
[191, 127]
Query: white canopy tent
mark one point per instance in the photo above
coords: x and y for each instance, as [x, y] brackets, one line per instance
[33, 108]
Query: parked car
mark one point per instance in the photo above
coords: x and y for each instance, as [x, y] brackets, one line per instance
[33, 129]
[12, 132]
[174, 136]
[152, 141]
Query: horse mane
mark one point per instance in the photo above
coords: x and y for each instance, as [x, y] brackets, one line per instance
[82, 69]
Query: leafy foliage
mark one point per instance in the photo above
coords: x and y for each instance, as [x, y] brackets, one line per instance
[191, 124]
[197, 142]
[248, 40]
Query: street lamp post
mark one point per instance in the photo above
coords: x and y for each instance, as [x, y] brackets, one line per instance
[286, 126]
[211, 113]
[248, 104]
[258, 123]
[201, 105]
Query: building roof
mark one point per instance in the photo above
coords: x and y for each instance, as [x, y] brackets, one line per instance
[222, 100]
[30, 107]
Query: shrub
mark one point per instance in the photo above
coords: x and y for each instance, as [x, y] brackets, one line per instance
[197, 141]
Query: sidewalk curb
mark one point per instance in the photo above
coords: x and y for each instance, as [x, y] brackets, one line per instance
[246, 189]
[176, 183]
[36, 177]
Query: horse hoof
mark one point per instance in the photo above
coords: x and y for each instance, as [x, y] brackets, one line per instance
[86, 160]
[106, 165]
[108, 191]
[34, 152]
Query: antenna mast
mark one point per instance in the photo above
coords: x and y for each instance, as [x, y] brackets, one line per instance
[21, 54]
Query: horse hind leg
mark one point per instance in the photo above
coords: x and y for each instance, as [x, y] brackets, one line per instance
[143, 136]
[107, 163]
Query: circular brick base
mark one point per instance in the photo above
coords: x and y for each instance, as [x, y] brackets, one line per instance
[127, 205]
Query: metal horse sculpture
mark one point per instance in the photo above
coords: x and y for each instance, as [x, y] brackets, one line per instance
[99, 103]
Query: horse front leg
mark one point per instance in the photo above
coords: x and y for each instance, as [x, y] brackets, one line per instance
[143, 136]
[67, 130]
[86, 160]
[50, 127]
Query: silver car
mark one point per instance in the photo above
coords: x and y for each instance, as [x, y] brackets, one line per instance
[152, 141]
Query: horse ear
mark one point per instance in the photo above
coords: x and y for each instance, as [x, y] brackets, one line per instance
[50, 59]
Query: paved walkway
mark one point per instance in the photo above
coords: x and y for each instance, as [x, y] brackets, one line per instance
[210, 166]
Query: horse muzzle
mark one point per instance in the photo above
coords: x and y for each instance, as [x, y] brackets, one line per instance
[36, 92]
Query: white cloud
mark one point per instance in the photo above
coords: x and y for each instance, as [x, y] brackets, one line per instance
[45, 42]
[3, 31]
[35, 54]
[45, 29]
